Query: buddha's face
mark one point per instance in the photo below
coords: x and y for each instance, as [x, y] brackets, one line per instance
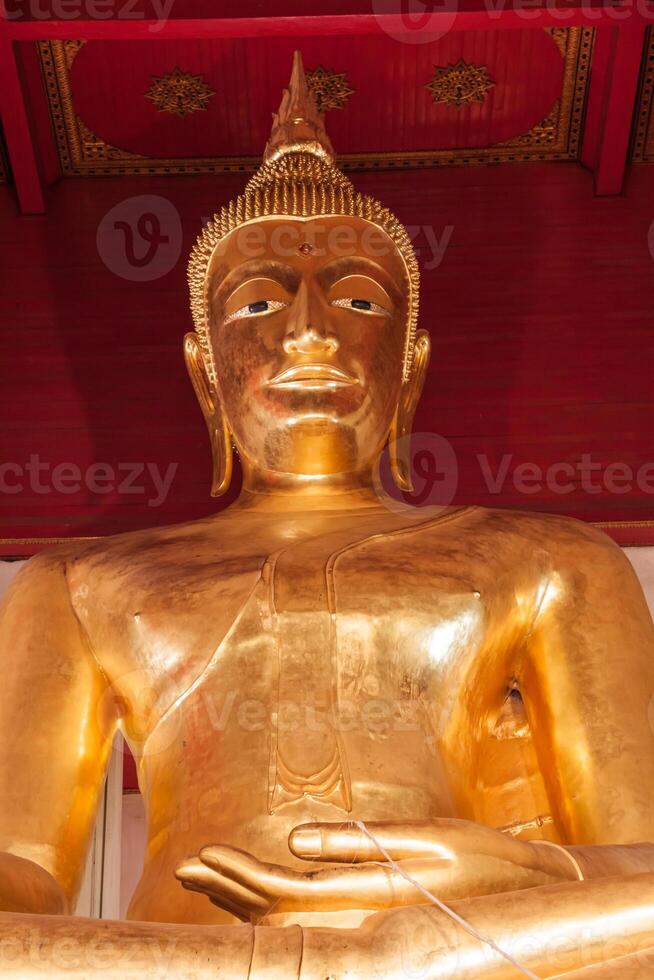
[308, 320]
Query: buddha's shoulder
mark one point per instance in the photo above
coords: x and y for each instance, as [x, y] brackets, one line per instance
[520, 533]
[139, 558]
[219, 549]
[130, 543]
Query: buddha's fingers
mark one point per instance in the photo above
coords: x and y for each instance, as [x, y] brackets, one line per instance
[348, 843]
[222, 890]
[192, 872]
[368, 886]
[226, 906]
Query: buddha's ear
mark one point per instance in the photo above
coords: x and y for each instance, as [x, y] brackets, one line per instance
[219, 434]
[197, 372]
[400, 435]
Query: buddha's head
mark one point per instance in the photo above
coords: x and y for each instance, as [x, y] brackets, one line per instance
[305, 353]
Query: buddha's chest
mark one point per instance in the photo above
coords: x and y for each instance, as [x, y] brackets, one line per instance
[331, 630]
[326, 679]
[354, 611]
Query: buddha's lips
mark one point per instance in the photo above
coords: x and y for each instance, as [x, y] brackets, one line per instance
[312, 376]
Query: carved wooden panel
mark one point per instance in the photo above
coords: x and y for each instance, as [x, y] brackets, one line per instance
[379, 96]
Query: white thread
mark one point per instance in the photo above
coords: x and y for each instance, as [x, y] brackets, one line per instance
[570, 857]
[445, 908]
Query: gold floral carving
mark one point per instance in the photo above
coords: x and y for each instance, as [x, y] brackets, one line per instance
[82, 153]
[329, 88]
[179, 93]
[460, 84]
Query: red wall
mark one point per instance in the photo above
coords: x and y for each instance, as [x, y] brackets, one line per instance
[540, 314]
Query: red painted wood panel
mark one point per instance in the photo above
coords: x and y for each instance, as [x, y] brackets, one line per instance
[540, 313]
[390, 110]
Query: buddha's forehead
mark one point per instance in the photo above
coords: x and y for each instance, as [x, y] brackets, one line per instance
[309, 244]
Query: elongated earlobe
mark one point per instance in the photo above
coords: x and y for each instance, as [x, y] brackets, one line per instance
[221, 454]
[399, 443]
[219, 434]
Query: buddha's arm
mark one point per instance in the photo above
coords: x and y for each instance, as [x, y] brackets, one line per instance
[566, 930]
[588, 685]
[56, 728]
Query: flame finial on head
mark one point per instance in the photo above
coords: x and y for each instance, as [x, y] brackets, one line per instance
[298, 126]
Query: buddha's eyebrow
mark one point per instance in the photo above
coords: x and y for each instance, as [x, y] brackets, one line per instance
[285, 275]
[355, 265]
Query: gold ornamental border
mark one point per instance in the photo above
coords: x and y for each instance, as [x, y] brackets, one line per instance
[557, 137]
[27, 542]
[642, 147]
[623, 524]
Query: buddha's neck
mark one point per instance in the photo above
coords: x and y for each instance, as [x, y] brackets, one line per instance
[273, 491]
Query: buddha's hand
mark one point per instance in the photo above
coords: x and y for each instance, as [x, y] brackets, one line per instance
[448, 858]
[27, 887]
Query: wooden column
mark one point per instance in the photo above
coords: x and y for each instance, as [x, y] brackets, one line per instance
[613, 87]
[16, 124]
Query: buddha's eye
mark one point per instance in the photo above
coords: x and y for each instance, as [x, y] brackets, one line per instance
[260, 308]
[362, 306]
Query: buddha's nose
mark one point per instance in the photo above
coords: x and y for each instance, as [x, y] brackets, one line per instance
[308, 332]
[309, 340]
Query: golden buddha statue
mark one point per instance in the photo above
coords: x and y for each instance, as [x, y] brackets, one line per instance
[372, 742]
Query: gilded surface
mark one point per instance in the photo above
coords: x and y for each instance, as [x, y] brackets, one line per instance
[344, 714]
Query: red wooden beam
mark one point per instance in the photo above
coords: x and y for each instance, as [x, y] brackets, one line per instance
[18, 136]
[43, 136]
[600, 80]
[451, 15]
[611, 100]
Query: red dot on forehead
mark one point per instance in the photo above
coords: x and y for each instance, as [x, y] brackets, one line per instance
[306, 248]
